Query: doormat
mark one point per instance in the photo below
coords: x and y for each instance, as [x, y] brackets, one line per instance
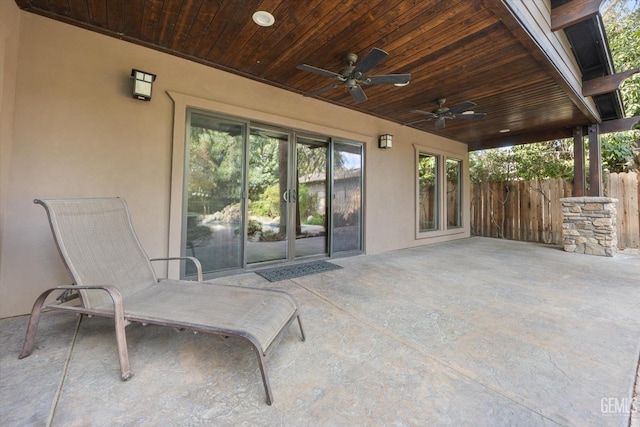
[276, 274]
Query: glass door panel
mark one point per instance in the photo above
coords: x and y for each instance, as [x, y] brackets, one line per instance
[454, 193]
[214, 220]
[268, 192]
[347, 197]
[311, 197]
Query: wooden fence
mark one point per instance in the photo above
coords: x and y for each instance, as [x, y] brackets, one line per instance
[626, 188]
[520, 210]
[531, 210]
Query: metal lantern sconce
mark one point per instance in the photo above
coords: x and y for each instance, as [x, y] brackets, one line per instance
[142, 83]
[385, 141]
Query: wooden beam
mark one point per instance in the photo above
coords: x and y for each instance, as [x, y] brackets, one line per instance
[595, 162]
[517, 139]
[573, 12]
[579, 176]
[619, 125]
[606, 84]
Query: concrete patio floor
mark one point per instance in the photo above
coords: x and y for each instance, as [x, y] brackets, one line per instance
[473, 332]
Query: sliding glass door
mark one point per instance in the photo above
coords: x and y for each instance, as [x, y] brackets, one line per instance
[258, 194]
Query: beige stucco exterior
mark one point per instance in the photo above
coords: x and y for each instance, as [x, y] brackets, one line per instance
[69, 127]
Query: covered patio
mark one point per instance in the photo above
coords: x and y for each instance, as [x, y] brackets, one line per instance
[471, 332]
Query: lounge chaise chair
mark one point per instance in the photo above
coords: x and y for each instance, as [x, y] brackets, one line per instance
[113, 277]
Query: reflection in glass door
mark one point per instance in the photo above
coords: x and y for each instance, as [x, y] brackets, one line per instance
[261, 194]
[347, 197]
[311, 201]
[287, 188]
[268, 180]
[213, 217]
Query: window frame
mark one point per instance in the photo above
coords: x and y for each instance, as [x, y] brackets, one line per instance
[181, 104]
[460, 188]
[442, 228]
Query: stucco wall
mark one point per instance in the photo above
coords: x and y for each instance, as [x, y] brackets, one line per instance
[9, 33]
[78, 132]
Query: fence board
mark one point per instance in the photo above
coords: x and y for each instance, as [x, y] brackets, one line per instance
[625, 187]
[531, 210]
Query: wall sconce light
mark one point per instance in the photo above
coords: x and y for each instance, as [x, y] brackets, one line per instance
[142, 82]
[385, 141]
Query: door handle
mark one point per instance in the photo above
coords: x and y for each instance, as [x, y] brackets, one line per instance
[290, 196]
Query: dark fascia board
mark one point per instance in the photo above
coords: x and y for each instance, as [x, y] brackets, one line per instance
[590, 46]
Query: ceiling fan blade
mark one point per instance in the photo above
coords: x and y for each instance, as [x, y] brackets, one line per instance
[469, 116]
[371, 60]
[393, 79]
[416, 122]
[358, 94]
[462, 107]
[426, 113]
[440, 123]
[322, 90]
[320, 71]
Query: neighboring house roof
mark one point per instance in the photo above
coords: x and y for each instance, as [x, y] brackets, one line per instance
[502, 55]
[339, 175]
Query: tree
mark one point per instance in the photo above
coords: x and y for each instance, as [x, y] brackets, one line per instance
[544, 160]
[494, 165]
[214, 168]
[620, 151]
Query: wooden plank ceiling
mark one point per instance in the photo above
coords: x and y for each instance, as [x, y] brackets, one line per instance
[456, 49]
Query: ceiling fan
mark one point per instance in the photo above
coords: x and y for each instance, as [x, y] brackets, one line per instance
[352, 76]
[460, 111]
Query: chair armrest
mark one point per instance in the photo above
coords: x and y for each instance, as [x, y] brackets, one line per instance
[195, 261]
[113, 292]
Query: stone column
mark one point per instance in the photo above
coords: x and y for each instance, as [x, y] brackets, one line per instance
[589, 225]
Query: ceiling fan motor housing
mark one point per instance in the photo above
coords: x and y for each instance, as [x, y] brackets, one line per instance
[346, 71]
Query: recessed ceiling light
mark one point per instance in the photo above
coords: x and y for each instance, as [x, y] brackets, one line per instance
[505, 130]
[264, 19]
[401, 84]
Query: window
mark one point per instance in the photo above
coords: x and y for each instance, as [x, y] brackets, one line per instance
[439, 195]
[427, 192]
[454, 193]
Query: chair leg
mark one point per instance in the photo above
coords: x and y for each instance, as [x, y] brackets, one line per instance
[121, 338]
[120, 324]
[123, 354]
[34, 319]
[301, 330]
[263, 372]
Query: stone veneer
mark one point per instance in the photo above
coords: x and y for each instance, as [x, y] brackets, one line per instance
[589, 225]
